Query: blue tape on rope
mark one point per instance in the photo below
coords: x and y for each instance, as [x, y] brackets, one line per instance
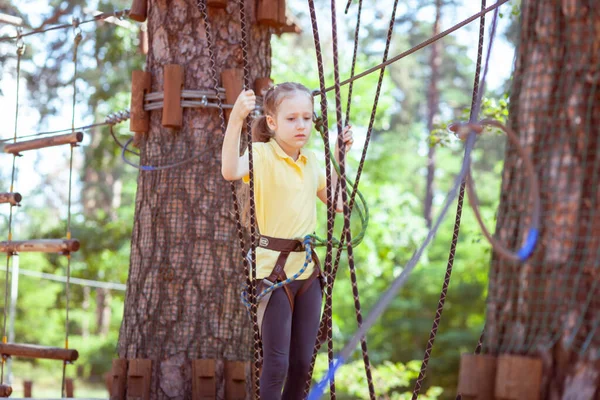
[319, 390]
[527, 249]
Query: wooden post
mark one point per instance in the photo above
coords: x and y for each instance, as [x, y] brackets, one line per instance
[27, 386]
[233, 83]
[40, 246]
[261, 85]
[140, 119]
[138, 379]
[69, 138]
[235, 380]
[518, 378]
[12, 198]
[271, 13]
[204, 385]
[217, 3]
[69, 388]
[477, 376]
[34, 351]
[5, 390]
[118, 381]
[173, 84]
[139, 10]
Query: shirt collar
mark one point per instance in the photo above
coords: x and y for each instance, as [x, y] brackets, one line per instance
[282, 154]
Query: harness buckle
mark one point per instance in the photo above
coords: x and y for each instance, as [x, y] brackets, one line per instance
[263, 241]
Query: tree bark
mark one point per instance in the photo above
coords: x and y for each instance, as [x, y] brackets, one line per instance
[183, 291]
[548, 306]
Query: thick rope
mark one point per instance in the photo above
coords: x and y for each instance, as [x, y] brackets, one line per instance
[346, 228]
[330, 202]
[457, 219]
[253, 230]
[20, 52]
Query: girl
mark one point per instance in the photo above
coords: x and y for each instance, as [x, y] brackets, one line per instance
[287, 181]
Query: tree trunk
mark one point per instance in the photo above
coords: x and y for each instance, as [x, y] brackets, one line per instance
[548, 307]
[433, 98]
[183, 291]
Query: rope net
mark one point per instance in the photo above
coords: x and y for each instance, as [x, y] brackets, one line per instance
[555, 109]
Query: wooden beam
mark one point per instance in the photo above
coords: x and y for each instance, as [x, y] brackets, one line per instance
[35, 351]
[40, 246]
[172, 116]
[69, 388]
[235, 380]
[118, 379]
[518, 377]
[216, 3]
[27, 386]
[69, 138]
[12, 198]
[204, 384]
[233, 83]
[477, 376]
[138, 379]
[139, 10]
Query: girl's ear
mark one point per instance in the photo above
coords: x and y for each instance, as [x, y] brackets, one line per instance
[271, 122]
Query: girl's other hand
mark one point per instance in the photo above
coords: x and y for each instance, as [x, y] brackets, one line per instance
[347, 138]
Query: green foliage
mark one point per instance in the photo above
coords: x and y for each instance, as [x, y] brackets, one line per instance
[391, 381]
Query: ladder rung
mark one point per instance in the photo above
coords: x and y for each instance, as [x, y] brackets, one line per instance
[35, 351]
[12, 198]
[69, 138]
[40, 246]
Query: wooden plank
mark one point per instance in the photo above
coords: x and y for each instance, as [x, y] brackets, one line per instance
[27, 386]
[118, 381]
[69, 388]
[35, 351]
[12, 198]
[40, 246]
[477, 376]
[204, 384]
[518, 378]
[69, 138]
[271, 13]
[173, 84]
[140, 85]
[235, 380]
[233, 83]
[217, 3]
[261, 85]
[138, 379]
[139, 10]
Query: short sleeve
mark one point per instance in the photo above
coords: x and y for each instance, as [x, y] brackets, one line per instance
[322, 181]
[258, 160]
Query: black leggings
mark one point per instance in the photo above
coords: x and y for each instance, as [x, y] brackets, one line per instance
[288, 341]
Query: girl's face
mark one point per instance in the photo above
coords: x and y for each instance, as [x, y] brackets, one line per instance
[293, 123]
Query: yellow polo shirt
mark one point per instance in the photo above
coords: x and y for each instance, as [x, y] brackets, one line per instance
[285, 194]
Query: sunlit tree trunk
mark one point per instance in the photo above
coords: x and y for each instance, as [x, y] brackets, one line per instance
[548, 307]
[183, 293]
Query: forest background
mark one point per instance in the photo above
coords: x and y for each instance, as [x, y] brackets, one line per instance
[394, 183]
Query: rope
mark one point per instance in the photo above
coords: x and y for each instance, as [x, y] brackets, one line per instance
[389, 295]
[355, 190]
[417, 47]
[20, 52]
[330, 205]
[456, 231]
[99, 17]
[253, 230]
[77, 41]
